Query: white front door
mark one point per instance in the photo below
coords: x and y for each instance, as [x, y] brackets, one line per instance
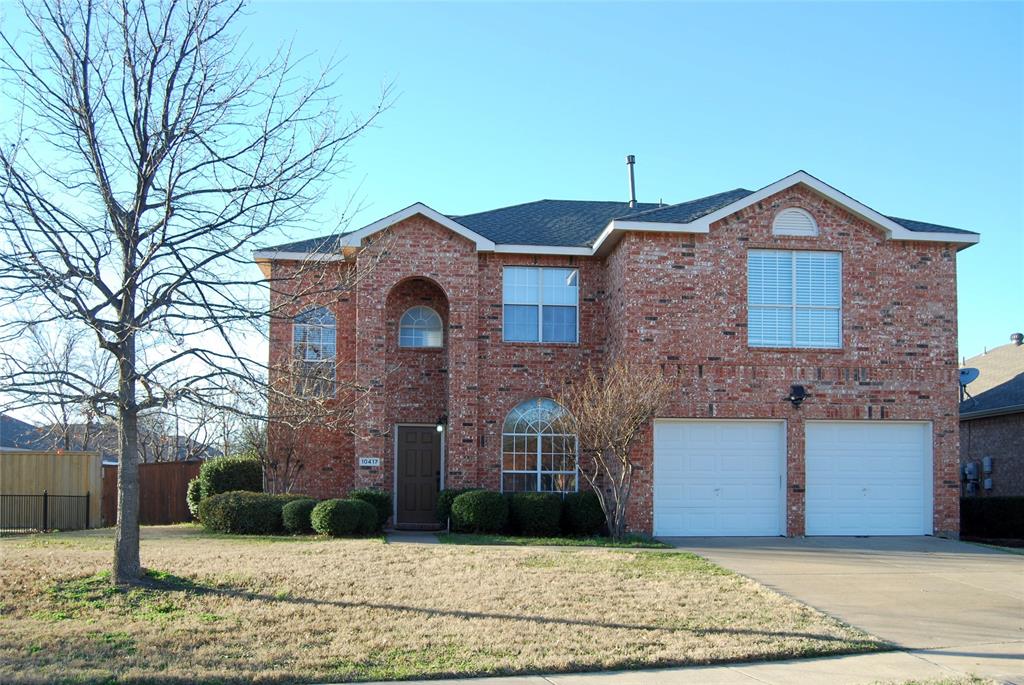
[869, 478]
[719, 477]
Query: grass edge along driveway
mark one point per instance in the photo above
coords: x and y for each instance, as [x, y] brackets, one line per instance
[286, 610]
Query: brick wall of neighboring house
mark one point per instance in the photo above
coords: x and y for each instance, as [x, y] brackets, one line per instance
[1002, 438]
[675, 300]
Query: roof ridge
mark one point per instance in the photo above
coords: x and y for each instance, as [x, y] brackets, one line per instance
[546, 199]
[679, 204]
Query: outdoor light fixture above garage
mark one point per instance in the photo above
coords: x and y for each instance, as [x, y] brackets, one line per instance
[442, 421]
[797, 394]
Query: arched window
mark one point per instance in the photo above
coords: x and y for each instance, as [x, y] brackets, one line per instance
[794, 221]
[314, 343]
[420, 327]
[536, 453]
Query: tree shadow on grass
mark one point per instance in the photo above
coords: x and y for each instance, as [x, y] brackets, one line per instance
[169, 583]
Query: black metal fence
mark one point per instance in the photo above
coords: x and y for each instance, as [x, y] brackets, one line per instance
[31, 513]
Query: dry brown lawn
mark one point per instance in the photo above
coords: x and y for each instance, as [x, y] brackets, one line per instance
[277, 610]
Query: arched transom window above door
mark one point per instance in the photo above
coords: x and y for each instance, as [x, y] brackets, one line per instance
[420, 327]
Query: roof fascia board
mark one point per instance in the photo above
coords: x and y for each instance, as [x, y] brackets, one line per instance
[703, 225]
[298, 256]
[997, 411]
[354, 238]
[543, 250]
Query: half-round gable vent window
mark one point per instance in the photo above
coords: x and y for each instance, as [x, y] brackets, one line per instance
[794, 221]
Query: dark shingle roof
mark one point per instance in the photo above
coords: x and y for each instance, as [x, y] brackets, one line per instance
[1007, 397]
[578, 223]
[572, 223]
[922, 227]
[685, 212]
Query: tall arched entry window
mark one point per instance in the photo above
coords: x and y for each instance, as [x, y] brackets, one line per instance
[535, 454]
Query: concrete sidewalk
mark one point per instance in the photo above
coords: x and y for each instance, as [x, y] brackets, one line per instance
[1002, 662]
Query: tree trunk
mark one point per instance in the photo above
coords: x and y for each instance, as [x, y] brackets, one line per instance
[127, 566]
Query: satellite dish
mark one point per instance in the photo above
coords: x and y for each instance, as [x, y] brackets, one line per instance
[968, 375]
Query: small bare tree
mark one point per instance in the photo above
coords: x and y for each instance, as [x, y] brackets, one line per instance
[57, 372]
[606, 411]
[147, 155]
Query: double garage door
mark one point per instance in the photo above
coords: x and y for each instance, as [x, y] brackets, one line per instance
[727, 477]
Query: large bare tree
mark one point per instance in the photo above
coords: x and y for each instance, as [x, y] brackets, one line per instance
[607, 410]
[148, 153]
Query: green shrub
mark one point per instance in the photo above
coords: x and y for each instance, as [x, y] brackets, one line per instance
[379, 500]
[295, 516]
[369, 519]
[193, 495]
[230, 474]
[535, 514]
[582, 514]
[992, 517]
[241, 513]
[444, 502]
[342, 517]
[479, 511]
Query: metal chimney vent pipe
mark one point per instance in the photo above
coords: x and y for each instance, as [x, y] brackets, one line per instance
[1017, 338]
[630, 161]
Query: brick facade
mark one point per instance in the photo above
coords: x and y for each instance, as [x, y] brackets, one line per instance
[999, 437]
[673, 300]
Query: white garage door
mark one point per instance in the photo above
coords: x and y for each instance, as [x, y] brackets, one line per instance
[719, 477]
[868, 478]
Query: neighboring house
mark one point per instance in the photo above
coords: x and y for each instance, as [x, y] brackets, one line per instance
[992, 420]
[20, 435]
[466, 326]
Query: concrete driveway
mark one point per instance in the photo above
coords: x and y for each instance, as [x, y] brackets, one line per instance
[940, 599]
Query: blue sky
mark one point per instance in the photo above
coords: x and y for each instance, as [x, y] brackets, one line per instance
[915, 109]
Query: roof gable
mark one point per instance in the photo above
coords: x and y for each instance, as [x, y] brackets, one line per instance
[586, 228]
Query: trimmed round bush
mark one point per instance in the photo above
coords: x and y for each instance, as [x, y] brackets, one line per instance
[241, 513]
[230, 474]
[444, 502]
[479, 511]
[536, 513]
[295, 516]
[193, 495]
[369, 519]
[582, 514]
[343, 517]
[378, 499]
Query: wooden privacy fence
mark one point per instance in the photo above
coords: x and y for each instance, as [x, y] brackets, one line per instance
[44, 490]
[162, 488]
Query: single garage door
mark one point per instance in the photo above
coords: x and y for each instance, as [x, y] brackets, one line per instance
[868, 478]
[719, 477]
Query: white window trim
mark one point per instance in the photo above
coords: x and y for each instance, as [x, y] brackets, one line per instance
[420, 347]
[539, 304]
[793, 305]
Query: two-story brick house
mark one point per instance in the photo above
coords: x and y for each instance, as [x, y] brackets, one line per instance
[467, 326]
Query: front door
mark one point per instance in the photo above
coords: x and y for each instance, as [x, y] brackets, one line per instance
[419, 476]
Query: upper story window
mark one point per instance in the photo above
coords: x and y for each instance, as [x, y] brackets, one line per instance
[541, 304]
[794, 299]
[314, 344]
[536, 453]
[794, 221]
[420, 327]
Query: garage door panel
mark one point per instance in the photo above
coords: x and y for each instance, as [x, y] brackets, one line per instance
[718, 477]
[868, 478]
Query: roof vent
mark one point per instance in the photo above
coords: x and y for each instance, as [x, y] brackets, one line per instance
[1017, 339]
[630, 161]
